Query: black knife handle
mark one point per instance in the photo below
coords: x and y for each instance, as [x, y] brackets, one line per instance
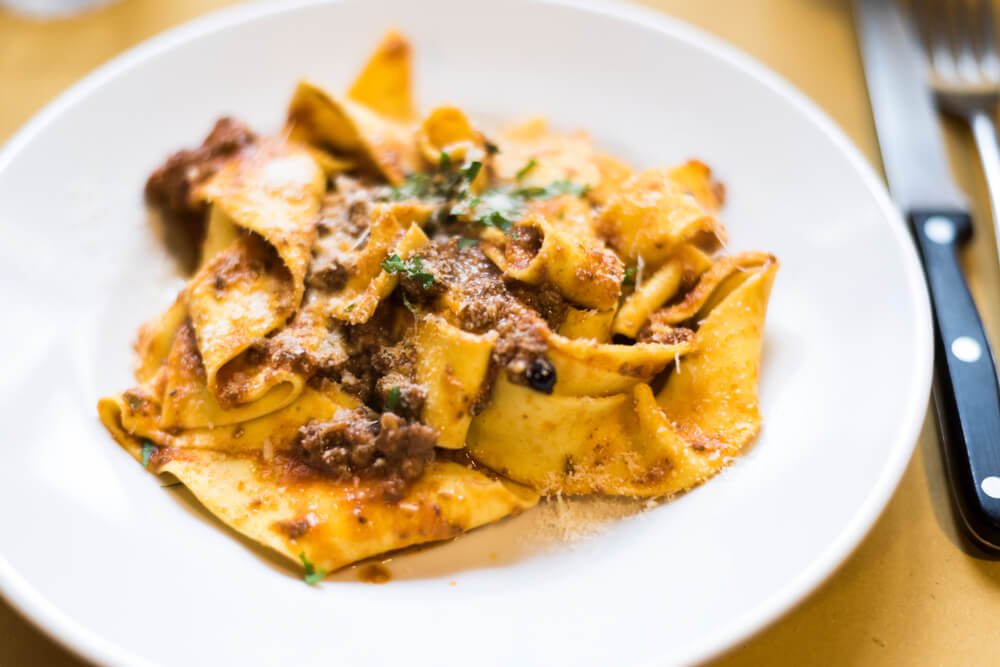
[965, 391]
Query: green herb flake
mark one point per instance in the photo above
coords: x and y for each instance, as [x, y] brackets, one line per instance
[392, 398]
[444, 161]
[492, 148]
[465, 205]
[313, 575]
[629, 278]
[496, 219]
[471, 170]
[566, 187]
[526, 169]
[393, 264]
[349, 307]
[412, 268]
[415, 186]
[467, 243]
[553, 189]
[148, 449]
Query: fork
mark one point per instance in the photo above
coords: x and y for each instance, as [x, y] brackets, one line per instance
[964, 73]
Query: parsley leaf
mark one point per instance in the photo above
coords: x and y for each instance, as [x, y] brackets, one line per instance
[412, 268]
[501, 207]
[553, 189]
[313, 575]
[467, 243]
[392, 398]
[496, 219]
[349, 307]
[444, 162]
[565, 187]
[471, 170]
[393, 264]
[416, 186]
[492, 148]
[148, 449]
[526, 169]
[629, 278]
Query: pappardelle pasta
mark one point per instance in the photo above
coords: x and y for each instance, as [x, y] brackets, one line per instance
[402, 328]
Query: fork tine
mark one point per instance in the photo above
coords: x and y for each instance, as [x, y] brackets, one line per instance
[933, 22]
[964, 33]
[988, 59]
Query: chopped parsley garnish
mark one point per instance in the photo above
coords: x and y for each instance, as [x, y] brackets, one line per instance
[447, 183]
[148, 449]
[313, 575]
[526, 169]
[416, 186]
[502, 206]
[496, 219]
[629, 278]
[553, 189]
[349, 307]
[467, 243]
[412, 268]
[471, 170]
[492, 148]
[498, 207]
[392, 398]
[444, 162]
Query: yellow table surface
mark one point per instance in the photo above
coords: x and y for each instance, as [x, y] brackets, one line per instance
[911, 594]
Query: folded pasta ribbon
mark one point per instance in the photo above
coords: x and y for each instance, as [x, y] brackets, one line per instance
[583, 269]
[379, 144]
[632, 443]
[275, 501]
[653, 214]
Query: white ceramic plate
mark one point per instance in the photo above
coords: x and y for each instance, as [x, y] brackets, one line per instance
[125, 572]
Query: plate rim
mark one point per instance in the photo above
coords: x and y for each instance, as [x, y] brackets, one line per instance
[90, 646]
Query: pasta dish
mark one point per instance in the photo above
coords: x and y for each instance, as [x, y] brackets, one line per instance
[402, 328]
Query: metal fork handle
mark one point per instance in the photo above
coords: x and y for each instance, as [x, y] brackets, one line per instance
[985, 132]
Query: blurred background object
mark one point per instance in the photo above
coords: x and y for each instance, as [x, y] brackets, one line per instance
[50, 8]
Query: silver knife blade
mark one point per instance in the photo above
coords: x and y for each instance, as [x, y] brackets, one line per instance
[909, 135]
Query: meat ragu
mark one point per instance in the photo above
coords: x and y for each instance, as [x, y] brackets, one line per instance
[434, 326]
[173, 187]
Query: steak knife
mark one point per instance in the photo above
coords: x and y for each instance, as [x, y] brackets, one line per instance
[966, 395]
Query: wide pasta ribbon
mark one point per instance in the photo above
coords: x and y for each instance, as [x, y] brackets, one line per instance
[583, 269]
[632, 443]
[379, 144]
[395, 229]
[271, 499]
[652, 214]
[257, 252]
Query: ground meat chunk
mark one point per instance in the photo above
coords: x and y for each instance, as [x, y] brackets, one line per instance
[480, 301]
[656, 331]
[474, 286]
[343, 225]
[524, 243]
[399, 394]
[366, 346]
[545, 300]
[356, 444]
[327, 272]
[172, 186]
